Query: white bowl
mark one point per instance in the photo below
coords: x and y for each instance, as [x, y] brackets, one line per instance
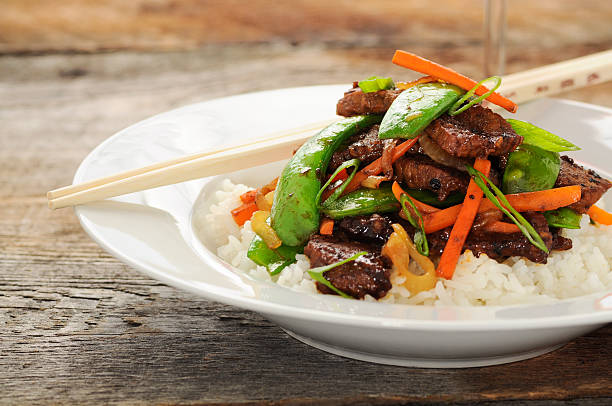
[152, 232]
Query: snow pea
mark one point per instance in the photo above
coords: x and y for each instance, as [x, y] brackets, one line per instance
[361, 202]
[416, 107]
[529, 169]
[563, 218]
[274, 260]
[295, 215]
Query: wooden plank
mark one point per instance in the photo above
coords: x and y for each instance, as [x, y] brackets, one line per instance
[79, 327]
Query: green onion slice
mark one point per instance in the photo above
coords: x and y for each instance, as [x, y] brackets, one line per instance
[317, 273]
[500, 201]
[420, 238]
[352, 163]
[455, 108]
[376, 83]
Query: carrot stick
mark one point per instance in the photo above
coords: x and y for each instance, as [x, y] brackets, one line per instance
[542, 200]
[502, 227]
[376, 167]
[244, 212]
[423, 208]
[427, 67]
[465, 219]
[600, 216]
[249, 196]
[327, 226]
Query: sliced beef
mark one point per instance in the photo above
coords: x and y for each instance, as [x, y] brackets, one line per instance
[366, 275]
[560, 243]
[499, 246]
[421, 172]
[366, 147]
[477, 132]
[373, 229]
[355, 102]
[593, 186]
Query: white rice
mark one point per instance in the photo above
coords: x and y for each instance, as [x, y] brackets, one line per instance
[584, 269]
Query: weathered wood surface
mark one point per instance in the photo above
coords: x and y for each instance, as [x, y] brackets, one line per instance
[79, 327]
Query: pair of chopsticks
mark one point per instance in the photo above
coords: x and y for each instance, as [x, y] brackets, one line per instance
[520, 87]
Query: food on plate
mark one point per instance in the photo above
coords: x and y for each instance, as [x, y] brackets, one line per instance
[424, 195]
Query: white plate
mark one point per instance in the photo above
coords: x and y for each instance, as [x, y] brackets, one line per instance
[152, 232]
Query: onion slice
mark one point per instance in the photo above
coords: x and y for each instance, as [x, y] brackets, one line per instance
[442, 157]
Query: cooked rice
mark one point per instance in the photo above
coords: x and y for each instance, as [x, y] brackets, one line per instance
[584, 269]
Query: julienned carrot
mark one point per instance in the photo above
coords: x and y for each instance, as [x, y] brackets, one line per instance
[244, 212]
[375, 167]
[542, 200]
[327, 227]
[427, 67]
[465, 219]
[249, 196]
[423, 208]
[501, 227]
[600, 215]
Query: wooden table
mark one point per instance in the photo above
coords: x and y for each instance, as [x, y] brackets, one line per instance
[79, 327]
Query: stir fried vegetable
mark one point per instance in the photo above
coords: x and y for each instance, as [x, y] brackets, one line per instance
[399, 249]
[275, 260]
[600, 215]
[362, 202]
[259, 224]
[563, 218]
[530, 169]
[416, 220]
[461, 228]
[540, 138]
[295, 215]
[317, 274]
[500, 201]
[416, 107]
[375, 83]
[430, 198]
[531, 201]
[422, 65]
[457, 108]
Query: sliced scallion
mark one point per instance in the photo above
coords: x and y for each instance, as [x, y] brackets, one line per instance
[420, 238]
[317, 273]
[457, 108]
[351, 163]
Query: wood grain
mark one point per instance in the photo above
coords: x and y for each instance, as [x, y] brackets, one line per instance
[79, 327]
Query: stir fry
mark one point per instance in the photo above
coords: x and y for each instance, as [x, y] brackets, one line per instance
[415, 174]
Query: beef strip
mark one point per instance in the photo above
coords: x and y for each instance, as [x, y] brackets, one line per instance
[560, 243]
[421, 172]
[499, 246]
[365, 146]
[593, 186]
[368, 274]
[477, 132]
[371, 229]
[355, 102]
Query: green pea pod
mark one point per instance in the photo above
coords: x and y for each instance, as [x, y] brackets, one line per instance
[274, 260]
[563, 218]
[430, 198]
[416, 107]
[530, 169]
[295, 215]
[361, 202]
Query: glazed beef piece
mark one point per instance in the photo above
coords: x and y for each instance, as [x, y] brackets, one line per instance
[370, 229]
[499, 246]
[355, 102]
[368, 274]
[593, 186]
[477, 132]
[421, 172]
[366, 147]
[560, 243]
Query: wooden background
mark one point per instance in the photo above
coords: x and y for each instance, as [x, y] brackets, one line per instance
[79, 327]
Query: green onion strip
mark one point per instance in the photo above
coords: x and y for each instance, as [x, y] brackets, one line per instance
[354, 163]
[317, 273]
[455, 108]
[500, 201]
[420, 238]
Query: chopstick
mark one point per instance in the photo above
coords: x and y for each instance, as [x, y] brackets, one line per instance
[521, 87]
[112, 185]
